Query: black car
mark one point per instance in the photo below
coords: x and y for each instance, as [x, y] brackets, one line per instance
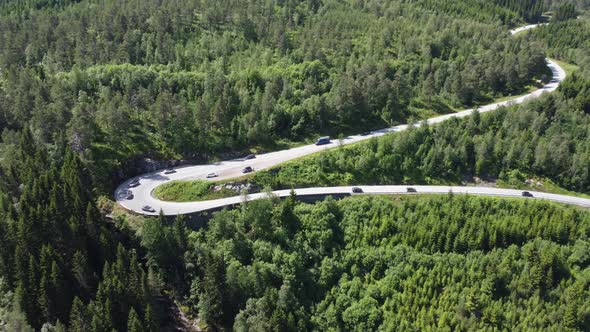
[169, 171]
[366, 133]
[250, 156]
[148, 208]
[247, 169]
[129, 194]
[526, 194]
[411, 190]
[134, 183]
[357, 190]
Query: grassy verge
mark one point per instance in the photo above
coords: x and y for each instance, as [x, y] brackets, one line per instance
[528, 89]
[190, 191]
[568, 67]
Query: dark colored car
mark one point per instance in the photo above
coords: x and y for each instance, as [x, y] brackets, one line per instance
[526, 194]
[247, 169]
[148, 208]
[250, 156]
[134, 183]
[366, 133]
[129, 194]
[411, 190]
[323, 140]
[357, 190]
[169, 171]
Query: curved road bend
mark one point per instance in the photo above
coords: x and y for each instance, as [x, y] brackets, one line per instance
[233, 168]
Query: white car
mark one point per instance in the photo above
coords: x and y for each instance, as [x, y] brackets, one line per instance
[148, 208]
[211, 175]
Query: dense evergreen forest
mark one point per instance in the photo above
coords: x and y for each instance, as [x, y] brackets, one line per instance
[448, 263]
[190, 79]
[61, 263]
[88, 86]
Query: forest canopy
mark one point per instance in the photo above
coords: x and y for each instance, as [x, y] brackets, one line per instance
[89, 87]
[192, 79]
[380, 263]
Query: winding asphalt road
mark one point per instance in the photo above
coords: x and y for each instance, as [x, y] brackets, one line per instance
[233, 168]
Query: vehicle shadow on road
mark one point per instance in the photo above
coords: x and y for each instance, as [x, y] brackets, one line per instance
[154, 176]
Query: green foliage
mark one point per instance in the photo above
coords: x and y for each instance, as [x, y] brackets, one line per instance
[166, 247]
[189, 191]
[191, 79]
[546, 137]
[567, 40]
[450, 262]
[58, 254]
[564, 12]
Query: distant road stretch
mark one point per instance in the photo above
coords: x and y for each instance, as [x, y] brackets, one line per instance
[525, 28]
[142, 194]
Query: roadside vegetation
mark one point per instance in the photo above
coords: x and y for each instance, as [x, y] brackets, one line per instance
[196, 79]
[567, 41]
[187, 191]
[545, 138]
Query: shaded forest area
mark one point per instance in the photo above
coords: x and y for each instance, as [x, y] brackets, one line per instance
[62, 262]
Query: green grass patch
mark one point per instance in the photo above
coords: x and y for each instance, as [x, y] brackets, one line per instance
[568, 67]
[190, 191]
[528, 89]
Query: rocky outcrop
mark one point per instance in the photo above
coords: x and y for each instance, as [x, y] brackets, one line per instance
[237, 187]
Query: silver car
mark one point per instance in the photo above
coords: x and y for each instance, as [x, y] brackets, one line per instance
[148, 208]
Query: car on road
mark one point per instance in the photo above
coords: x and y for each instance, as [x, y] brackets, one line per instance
[134, 183]
[129, 194]
[211, 175]
[148, 208]
[169, 171]
[411, 190]
[526, 194]
[366, 133]
[250, 156]
[323, 140]
[247, 169]
[357, 190]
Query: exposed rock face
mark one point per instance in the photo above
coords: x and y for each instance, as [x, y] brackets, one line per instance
[142, 165]
[150, 165]
[238, 187]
